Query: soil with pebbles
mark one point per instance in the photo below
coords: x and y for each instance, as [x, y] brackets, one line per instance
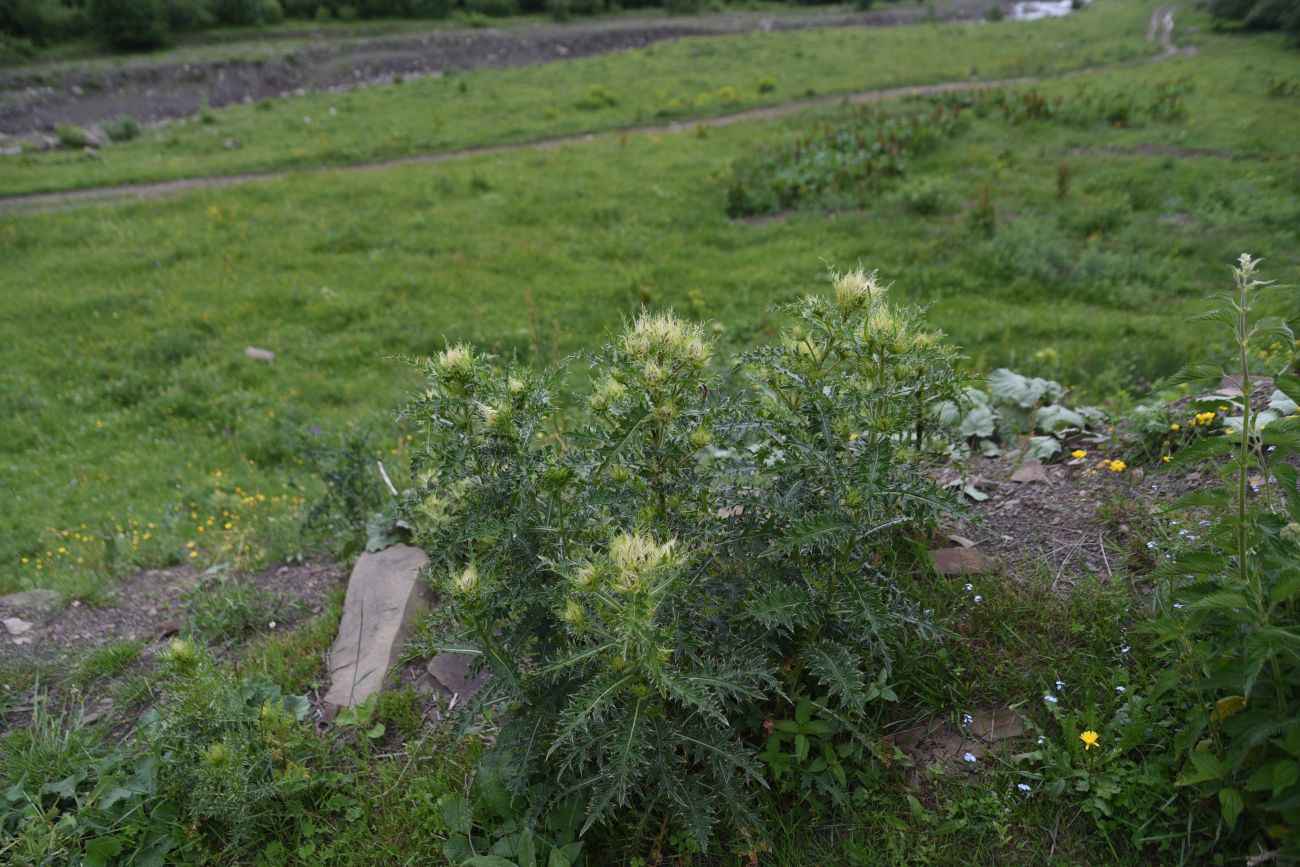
[34, 99]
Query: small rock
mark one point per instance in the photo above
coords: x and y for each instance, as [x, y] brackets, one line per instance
[962, 561]
[38, 605]
[97, 713]
[1030, 471]
[259, 354]
[997, 725]
[452, 672]
[16, 626]
[167, 629]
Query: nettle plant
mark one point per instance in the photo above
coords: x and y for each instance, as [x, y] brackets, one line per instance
[654, 589]
[1231, 624]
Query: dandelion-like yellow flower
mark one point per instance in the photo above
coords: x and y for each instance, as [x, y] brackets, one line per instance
[1079, 454]
[1089, 739]
[1116, 466]
[1166, 459]
[1175, 426]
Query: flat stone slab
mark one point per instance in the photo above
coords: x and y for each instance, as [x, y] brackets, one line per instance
[385, 597]
[962, 561]
[1030, 471]
[452, 672]
[37, 605]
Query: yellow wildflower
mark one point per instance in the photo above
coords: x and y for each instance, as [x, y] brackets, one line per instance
[1116, 466]
[1078, 454]
[1175, 426]
[1089, 739]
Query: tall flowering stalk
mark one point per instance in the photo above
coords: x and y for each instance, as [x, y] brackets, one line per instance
[1232, 626]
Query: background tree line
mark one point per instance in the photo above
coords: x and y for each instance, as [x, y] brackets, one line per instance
[143, 24]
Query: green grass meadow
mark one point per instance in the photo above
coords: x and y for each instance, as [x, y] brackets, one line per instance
[684, 79]
[136, 429]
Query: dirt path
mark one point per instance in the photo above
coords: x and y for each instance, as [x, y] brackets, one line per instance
[152, 89]
[1161, 27]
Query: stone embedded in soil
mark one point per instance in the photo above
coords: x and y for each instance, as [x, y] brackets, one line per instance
[38, 605]
[385, 596]
[996, 725]
[166, 629]
[1030, 471]
[452, 672]
[258, 354]
[962, 561]
[16, 626]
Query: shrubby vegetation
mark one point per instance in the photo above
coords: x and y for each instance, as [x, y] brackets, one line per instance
[695, 558]
[843, 163]
[133, 25]
[1281, 15]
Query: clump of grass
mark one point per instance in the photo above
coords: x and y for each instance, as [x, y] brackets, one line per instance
[108, 661]
[72, 136]
[225, 610]
[598, 96]
[123, 129]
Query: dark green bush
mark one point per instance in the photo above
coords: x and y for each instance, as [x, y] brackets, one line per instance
[689, 560]
[493, 8]
[131, 25]
[188, 14]
[123, 129]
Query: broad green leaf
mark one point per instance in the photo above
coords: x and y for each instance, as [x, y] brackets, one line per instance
[1230, 805]
[1289, 385]
[1193, 372]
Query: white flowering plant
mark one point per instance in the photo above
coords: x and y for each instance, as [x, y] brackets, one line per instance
[694, 556]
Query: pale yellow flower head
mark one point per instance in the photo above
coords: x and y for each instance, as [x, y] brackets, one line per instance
[856, 289]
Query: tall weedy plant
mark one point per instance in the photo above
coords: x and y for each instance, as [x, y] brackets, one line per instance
[1231, 624]
[698, 556]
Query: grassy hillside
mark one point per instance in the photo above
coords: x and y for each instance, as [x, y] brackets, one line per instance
[128, 397]
[680, 80]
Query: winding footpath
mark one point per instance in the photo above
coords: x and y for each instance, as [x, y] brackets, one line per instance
[1159, 31]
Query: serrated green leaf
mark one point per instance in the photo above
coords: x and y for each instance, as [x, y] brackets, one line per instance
[1231, 805]
[1195, 371]
[839, 670]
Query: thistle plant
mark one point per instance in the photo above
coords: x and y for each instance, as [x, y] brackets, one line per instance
[701, 551]
[1231, 626]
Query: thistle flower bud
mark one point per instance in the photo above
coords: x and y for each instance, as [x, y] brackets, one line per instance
[517, 387]
[665, 412]
[700, 437]
[455, 362]
[216, 755]
[182, 655]
[636, 558]
[619, 473]
[466, 582]
[497, 418]
[653, 372]
[1291, 533]
[574, 614]
[664, 338]
[856, 290]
